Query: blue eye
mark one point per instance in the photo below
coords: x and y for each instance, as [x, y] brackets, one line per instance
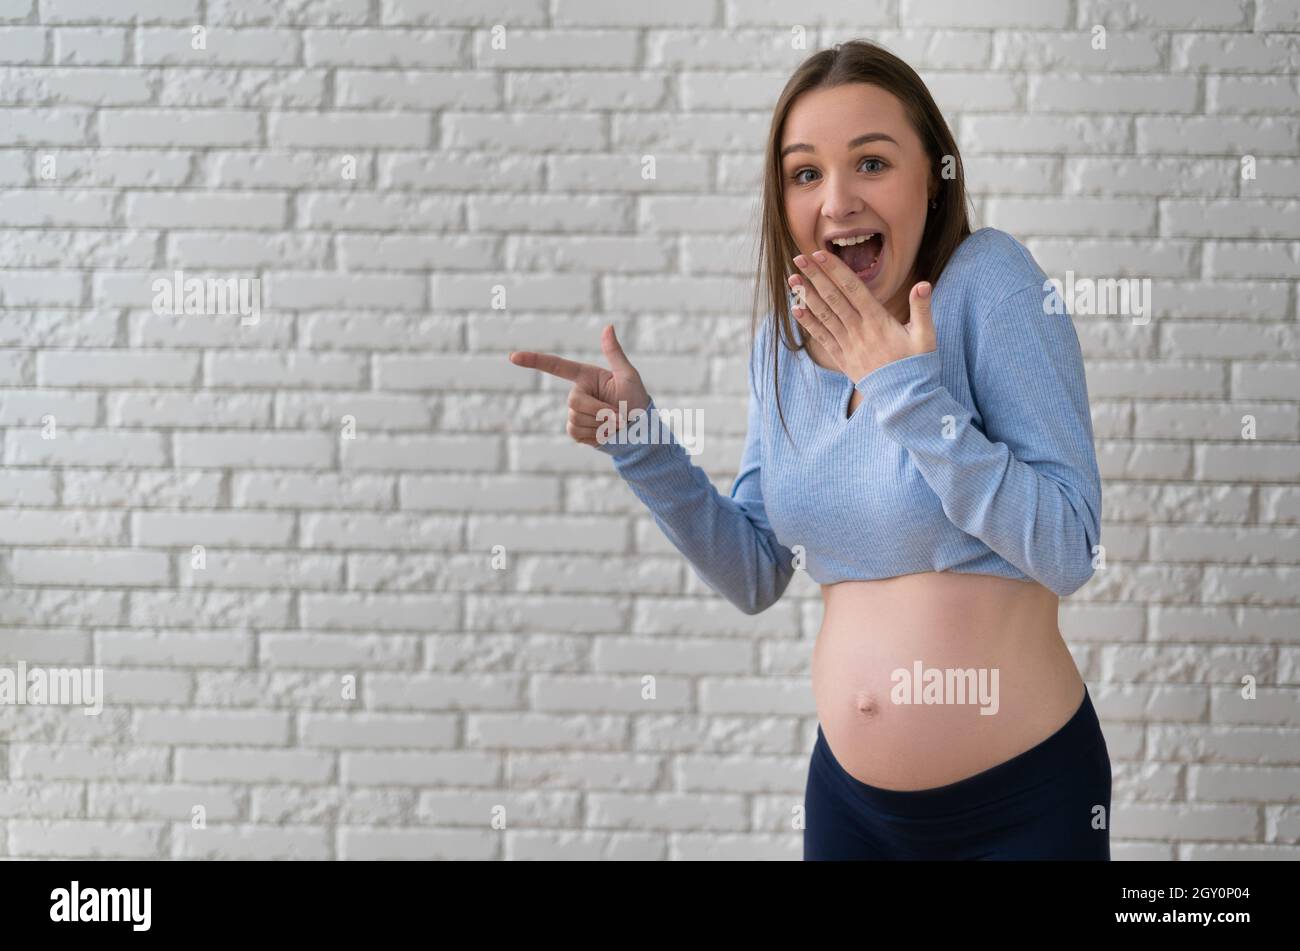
[880, 162]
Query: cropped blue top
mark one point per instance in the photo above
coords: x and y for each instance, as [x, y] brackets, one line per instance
[976, 457]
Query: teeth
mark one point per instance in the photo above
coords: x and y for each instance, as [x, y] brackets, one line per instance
[849, 242]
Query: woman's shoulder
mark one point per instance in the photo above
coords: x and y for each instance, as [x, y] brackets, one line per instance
[997, 259]
[988, 267]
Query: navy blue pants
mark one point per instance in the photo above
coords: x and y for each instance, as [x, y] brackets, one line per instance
[1050, 802]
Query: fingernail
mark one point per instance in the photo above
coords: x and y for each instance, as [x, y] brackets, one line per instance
[800, 260]
[923, 290]
[819, 256]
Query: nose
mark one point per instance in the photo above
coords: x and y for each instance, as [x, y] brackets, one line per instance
[841, 200]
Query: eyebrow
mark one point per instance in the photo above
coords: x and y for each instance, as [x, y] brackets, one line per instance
[853, 143]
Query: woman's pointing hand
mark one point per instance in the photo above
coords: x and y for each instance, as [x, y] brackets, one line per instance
[594, 388]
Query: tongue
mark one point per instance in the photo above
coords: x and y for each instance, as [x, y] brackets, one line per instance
[860, 256]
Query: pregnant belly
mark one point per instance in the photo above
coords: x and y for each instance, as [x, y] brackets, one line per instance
[928, 678]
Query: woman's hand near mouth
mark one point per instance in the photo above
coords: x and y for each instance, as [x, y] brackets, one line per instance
[845, 318]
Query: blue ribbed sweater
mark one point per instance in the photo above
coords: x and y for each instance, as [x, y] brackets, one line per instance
[976, 457]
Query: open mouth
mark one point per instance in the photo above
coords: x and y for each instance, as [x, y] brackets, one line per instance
[862, 254]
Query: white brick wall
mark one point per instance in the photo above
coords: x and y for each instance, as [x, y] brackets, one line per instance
[370, 558]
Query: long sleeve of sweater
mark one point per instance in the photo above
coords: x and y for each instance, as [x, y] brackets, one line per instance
[1027, 485]
[728, 540]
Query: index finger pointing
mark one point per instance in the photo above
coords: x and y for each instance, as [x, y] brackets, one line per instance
[548, 363]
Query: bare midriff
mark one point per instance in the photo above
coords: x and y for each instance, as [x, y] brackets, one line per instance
[946, 622]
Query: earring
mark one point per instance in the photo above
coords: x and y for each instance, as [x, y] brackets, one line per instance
[934, 203]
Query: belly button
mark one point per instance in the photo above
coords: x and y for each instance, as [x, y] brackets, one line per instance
[867, 705]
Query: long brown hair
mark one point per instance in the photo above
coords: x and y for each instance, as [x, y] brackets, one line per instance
[856, 61]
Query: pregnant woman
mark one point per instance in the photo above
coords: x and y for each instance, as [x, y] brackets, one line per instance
[919, 441]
